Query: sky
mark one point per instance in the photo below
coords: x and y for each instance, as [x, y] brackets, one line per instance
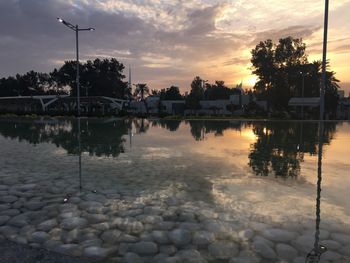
[169, 42]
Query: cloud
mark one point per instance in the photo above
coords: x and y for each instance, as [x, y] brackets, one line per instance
[343, 49]
[299, 31]
[237, 61]
[165, 42]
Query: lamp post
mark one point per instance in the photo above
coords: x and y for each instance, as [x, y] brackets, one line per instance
[315, 254]
[76, 29]
[324, 60]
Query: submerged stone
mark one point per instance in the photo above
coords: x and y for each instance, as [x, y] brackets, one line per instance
[96, 252]
[69, 249]
[203, 238]
[47, 225]
[278, 235]
[161, 237]
[74, 222]
[145, 248]
[4, 219]
[180, 237]
[111, 236]
[39, 237]
[223, 249]
[286, 252]
[132, 258]
[264, 249]
[8, 199]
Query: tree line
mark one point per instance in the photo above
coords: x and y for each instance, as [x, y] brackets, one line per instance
[282, 69]
[100, 77]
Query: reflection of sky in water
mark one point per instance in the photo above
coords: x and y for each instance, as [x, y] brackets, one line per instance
[159, 158]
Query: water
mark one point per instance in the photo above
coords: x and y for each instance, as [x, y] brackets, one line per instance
[207, 191]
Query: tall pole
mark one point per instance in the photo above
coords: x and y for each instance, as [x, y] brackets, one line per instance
[79, 149]
[77, 80]
[324, 61]
[302, 95]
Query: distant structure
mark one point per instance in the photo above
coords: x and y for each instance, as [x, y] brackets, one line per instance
[341, 94]
[59, 104]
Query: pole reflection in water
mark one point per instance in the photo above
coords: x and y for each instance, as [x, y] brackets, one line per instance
[67, 197]
[130, 137]
[79, 152]
[315, 255]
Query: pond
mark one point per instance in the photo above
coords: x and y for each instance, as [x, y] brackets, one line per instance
[151, 190]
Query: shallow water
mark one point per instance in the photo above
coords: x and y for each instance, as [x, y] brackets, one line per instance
[171, 191]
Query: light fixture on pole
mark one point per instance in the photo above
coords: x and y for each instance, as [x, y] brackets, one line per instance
[76, 29]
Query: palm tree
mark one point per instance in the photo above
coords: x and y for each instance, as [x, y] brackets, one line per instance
[141, 90]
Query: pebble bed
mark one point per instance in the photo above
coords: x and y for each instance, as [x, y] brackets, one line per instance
[113, 226]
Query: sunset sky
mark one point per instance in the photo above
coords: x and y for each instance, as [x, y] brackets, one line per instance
[168, 42]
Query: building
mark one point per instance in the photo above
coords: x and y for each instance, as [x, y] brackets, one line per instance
[341, 94]
[343, 109]
[60, 104]
[174, 107]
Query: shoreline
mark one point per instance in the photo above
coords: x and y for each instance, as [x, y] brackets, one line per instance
[169, 118]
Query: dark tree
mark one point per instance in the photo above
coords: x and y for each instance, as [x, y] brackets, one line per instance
[97, 78]
[281, 68]
[196, 94]
[172, 93]
[101, 77]
[219, 91]
[105, 78]
[9, 87]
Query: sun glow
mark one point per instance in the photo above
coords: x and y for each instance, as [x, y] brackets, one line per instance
[250, 81]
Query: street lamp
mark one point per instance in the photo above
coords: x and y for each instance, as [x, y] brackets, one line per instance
[76, 29]
[324, 60]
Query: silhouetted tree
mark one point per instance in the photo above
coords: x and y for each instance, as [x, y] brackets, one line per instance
[196, 94]
[141, 90]
[219, 91]
[9, 87]
[104, 78]
[97, 78]
[172, 93]
[280, 68]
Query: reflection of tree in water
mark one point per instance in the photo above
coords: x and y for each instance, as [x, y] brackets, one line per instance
[171, 125]
[106, 138]
[98, 138]
[141, 125]
[33, 132]
[280, 146]
[200, 128]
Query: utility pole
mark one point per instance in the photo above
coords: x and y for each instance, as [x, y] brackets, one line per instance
[324, 61]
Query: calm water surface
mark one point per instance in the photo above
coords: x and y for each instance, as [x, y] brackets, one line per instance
[171, 191]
